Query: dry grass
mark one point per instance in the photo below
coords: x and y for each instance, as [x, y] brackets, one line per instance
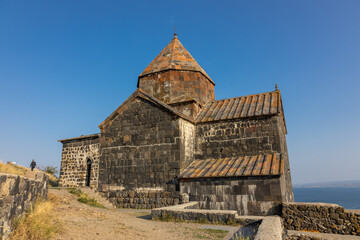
[13, 169]
[19, 170]
[38, 224]
[53, 180]
[210, 234]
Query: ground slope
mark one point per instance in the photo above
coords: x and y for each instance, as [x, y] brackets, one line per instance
[85, 222]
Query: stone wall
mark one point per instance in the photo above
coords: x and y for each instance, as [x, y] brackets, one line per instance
[17, 194]
[286, 182]
[320, 217]
[187, 138]
[240, 137]
[141, 148]
[245, 137]
[174, 86]
[144, 199]
[247, 195]
[188, 108]
[76, 153]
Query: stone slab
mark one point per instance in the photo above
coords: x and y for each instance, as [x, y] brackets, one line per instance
[270, 229]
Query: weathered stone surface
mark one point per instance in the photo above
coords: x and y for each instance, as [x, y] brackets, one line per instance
[176, 86]
[75, 155]
[320, 217]
[240, 137]
[190, 212]
[245, 195]
[270, 229]
[154, 156]
[17, 194]
[144, 199]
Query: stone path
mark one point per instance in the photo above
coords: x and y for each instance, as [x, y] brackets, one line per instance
[321, 236]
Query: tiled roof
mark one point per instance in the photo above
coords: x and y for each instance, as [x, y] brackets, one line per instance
[259, 165]
[174, 56]
[240, 107]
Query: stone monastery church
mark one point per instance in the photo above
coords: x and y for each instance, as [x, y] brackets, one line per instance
[171, 142]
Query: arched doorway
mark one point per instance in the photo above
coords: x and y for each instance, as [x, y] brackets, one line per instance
[88, 172]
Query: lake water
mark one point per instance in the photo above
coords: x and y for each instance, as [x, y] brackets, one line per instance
[349, 198]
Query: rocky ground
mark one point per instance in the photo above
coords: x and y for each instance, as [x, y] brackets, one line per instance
[81, 221]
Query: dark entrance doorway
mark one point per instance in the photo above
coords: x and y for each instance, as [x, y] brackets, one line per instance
[88, 173]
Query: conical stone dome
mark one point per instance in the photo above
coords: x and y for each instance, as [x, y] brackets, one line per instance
[175, 78]
[174, 56]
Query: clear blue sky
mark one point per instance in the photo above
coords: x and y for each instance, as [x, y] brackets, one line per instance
[66, 65]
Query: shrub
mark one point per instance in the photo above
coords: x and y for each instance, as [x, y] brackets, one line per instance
[50, 169]
[84, 198]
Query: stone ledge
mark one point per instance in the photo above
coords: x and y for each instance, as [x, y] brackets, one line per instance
[188, 212]
[294, 235]
[316, 204]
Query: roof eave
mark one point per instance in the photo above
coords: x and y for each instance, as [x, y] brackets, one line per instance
[240, 176]
[96, 135]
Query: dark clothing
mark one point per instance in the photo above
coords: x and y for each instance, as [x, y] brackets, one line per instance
[32, 165]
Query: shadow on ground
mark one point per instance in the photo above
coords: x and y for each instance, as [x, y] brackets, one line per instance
[145, 217]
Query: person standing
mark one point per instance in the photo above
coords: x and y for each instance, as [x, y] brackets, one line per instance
[32, 165]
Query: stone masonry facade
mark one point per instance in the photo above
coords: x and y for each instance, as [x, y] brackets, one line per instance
[178, 85]
[249, 196]
[172, 126]
[74, 164]
[238, 138]
[145, 199]
[141, 149]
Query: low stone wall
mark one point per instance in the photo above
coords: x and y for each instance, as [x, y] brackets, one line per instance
[320, 217]
[190, 212]
[17, 194]
[145, 199]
